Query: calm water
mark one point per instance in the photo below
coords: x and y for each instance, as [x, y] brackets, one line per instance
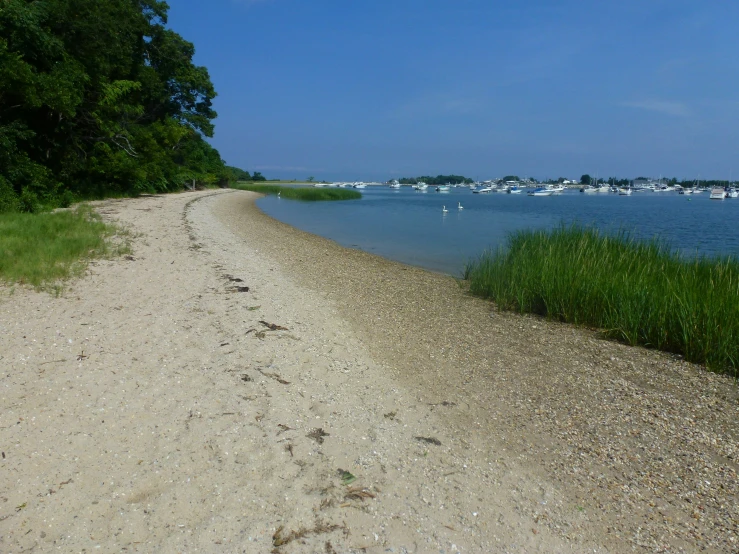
[409, 226]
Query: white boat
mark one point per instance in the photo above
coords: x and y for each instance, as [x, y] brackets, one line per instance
[394, 184]
[718, 193]
[557, 189]
[624, 191]
[732, 193]
[591, 189]
[482, 190]
[541, 191]
[514, 190]
[442, 188]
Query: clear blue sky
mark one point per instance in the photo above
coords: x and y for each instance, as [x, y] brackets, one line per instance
[375, 89]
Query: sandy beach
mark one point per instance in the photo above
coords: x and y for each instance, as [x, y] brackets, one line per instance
[237, 385]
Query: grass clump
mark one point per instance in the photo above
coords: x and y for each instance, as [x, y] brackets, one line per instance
[638, 292]
[309, 194]
[43, 249]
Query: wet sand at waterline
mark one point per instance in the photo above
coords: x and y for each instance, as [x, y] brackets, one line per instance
[342, 403]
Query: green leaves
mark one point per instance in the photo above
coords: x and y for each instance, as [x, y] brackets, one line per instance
[99, 97]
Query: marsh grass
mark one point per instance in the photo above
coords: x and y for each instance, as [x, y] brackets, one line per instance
[638, 292]
[42, 250]
[309, 194]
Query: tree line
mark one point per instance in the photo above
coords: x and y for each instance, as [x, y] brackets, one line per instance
[99, 98]
[236, 174]
[438, 180]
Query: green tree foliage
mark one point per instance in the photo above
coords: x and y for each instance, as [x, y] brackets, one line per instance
[238, 174]
[615, 181]
[438, 180]
[99, 97]
[585, 179]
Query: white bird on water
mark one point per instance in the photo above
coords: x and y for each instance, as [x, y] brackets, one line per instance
[459, 206]
[443, 209]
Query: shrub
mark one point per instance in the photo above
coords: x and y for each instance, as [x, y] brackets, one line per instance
[8, 198]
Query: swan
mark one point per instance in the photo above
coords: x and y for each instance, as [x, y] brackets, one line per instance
[459, 206]
[443, 209]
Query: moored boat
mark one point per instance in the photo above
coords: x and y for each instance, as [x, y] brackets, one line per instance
[541, 191]
[718, 193]
[591, 189]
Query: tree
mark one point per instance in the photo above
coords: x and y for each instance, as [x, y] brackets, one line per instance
[585, 179]
[97, 97]
[237, 174]
[310, 179]
[257, 176]
[438, 180]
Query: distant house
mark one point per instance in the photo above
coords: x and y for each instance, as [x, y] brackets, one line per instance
[641, 182]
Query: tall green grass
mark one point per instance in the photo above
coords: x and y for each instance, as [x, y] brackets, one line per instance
[43, 249]
[303, 193]
[639, 292]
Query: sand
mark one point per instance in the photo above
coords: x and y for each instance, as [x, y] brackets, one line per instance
[343, 403]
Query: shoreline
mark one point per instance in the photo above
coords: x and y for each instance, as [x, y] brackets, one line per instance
[474, 353]
[187, 424]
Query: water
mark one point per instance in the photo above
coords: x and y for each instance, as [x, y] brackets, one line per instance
[409, 226]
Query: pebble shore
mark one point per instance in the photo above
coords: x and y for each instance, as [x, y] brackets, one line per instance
[644, 442]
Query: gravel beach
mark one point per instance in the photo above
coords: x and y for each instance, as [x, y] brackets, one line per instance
[237, 385]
